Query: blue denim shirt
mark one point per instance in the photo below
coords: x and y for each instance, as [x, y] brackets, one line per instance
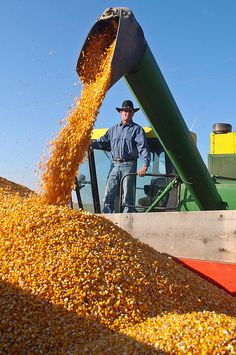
[125, 141]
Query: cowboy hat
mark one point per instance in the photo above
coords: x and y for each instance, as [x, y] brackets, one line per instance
[127, 105]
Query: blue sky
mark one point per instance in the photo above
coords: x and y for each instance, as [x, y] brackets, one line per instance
[193, 43]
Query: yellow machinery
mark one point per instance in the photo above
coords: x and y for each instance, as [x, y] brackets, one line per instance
[222, 157]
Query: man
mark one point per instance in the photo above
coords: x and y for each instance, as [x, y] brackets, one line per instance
[126, 141]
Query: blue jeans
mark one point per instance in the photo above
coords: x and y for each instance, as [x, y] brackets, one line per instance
[117, 171]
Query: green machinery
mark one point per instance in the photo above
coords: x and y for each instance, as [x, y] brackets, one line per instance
[197, 188]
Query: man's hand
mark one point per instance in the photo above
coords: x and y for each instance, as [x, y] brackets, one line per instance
[142, 171]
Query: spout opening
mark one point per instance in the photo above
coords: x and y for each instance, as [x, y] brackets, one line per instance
[116, 25]
[100, 38]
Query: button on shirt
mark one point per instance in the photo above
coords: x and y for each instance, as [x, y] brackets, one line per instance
[125, 142]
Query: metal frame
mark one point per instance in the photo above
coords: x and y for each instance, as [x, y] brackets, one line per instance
[94, 185]
[153, 205]
[94, 182]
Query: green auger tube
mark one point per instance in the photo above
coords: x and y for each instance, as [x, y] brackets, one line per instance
[134, 61]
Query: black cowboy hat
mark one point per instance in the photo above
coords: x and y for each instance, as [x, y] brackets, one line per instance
[127, 105]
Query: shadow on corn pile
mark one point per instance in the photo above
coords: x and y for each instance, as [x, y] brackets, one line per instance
[29, 324]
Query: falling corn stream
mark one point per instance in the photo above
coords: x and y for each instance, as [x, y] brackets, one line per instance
[74, 283]
[69, 147]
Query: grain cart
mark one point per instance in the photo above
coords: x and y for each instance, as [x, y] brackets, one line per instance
[193, 207]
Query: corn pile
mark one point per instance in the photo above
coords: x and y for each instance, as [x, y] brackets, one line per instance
[69, 147]
[72, 282]
[191, 333]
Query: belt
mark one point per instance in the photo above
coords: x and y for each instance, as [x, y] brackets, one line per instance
[122, 160]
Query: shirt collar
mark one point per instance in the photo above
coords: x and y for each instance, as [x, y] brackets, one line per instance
[129, 124]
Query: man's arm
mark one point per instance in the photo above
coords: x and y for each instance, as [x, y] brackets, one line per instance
[143, 151]
[102, 143]
[142, 171]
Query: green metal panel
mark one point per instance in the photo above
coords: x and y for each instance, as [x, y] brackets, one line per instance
[226, 189]
[187, 202]
[222, 164]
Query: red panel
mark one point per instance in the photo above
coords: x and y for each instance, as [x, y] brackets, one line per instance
[221, 274]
